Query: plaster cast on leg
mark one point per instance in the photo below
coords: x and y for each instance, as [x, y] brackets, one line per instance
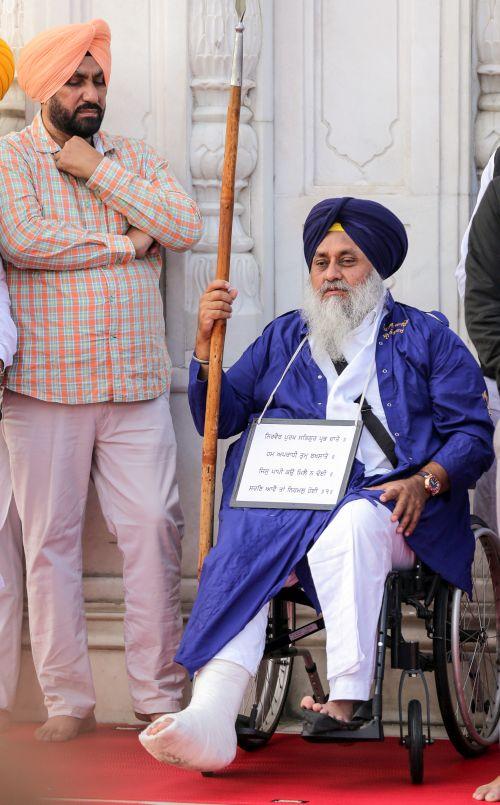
[203, 736]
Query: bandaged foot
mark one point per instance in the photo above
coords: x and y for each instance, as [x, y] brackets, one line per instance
[203, 736]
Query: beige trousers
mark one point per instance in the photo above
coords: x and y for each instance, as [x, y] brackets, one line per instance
[129, 450]
[11, 585]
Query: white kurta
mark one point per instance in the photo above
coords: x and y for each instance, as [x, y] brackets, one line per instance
[343, 390]
[351, 559]
[486, 178]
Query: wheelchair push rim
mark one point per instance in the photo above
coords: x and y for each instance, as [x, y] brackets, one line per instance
[475, 643]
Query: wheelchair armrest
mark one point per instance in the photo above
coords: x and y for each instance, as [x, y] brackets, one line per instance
[477, 521]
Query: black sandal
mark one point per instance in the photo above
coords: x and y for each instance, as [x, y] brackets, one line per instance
[322, 725]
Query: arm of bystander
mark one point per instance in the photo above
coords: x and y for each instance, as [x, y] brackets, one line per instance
[28, 240]
[156, 204]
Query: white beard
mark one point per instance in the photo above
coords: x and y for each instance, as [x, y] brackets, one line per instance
[330, 320]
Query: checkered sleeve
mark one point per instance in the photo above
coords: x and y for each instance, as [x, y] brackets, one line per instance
[29, 240]
[156, 204]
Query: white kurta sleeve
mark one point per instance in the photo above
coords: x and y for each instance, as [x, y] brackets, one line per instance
[486, 178]
[8, 333]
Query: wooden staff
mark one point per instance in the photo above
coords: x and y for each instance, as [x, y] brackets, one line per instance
[209, 450]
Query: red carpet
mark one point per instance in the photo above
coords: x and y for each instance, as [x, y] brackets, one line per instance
[110, 766]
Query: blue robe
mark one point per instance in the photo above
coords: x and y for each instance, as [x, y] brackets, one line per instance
[434, 398]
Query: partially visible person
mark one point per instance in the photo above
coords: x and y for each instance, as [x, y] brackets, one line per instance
[489, 792]
[482, 318]
[11, 568]
[11, 565]
[484, 503]
[82, 216]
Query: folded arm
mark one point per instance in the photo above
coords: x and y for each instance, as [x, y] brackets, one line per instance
[156, 204]
[28, 240]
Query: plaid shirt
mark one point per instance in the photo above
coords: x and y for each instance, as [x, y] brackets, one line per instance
[89, 315]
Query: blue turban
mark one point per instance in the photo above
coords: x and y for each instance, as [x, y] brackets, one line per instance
[376, 230]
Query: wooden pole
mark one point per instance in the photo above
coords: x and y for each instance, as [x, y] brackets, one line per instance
[209, 450]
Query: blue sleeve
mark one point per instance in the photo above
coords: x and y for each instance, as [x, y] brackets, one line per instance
[460, 412]
[237, 394]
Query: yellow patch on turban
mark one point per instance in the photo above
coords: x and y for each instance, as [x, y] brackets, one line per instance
[51, 58]
[6, 67]
[336, 227]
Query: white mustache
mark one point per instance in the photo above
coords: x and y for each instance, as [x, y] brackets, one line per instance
[334, 285]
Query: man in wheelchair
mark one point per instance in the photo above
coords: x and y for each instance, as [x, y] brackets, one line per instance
[427, 439]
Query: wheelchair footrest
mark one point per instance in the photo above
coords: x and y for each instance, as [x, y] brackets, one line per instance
[369, 731]
[249, 738]
[248, 732]
[245, 727]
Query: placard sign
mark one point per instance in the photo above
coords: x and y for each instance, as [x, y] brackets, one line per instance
[296, 463]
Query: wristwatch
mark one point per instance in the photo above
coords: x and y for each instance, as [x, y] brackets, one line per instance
[432, 484]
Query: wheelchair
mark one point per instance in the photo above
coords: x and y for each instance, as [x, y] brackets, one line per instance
[465, 660]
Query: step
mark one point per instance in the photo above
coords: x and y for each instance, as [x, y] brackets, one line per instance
[106, 650]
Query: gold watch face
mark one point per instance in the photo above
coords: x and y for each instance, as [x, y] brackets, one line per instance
[432, 484]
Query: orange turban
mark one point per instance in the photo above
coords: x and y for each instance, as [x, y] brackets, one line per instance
[51, 58]
[6, 67]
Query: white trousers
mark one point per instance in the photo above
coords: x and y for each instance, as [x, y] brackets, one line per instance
[349, 564]
[130, 451]
[11, 585]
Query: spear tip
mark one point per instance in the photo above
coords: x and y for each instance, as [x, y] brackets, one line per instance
[241, 6]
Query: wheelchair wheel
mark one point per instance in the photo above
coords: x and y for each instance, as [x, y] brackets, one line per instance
[266, 694]
[415, 741]
[467, 652]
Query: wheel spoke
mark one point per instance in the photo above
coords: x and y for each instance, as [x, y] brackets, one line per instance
[265, 695]
[476, 678]
[474, 634]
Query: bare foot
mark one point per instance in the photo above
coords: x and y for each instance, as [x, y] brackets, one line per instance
[341, 710]
[5, 720]
[64, 728]
[489, 792]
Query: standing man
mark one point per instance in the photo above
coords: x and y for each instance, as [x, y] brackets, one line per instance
[485, 493]
[82, 216]
[482, 317]
[11, 566]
